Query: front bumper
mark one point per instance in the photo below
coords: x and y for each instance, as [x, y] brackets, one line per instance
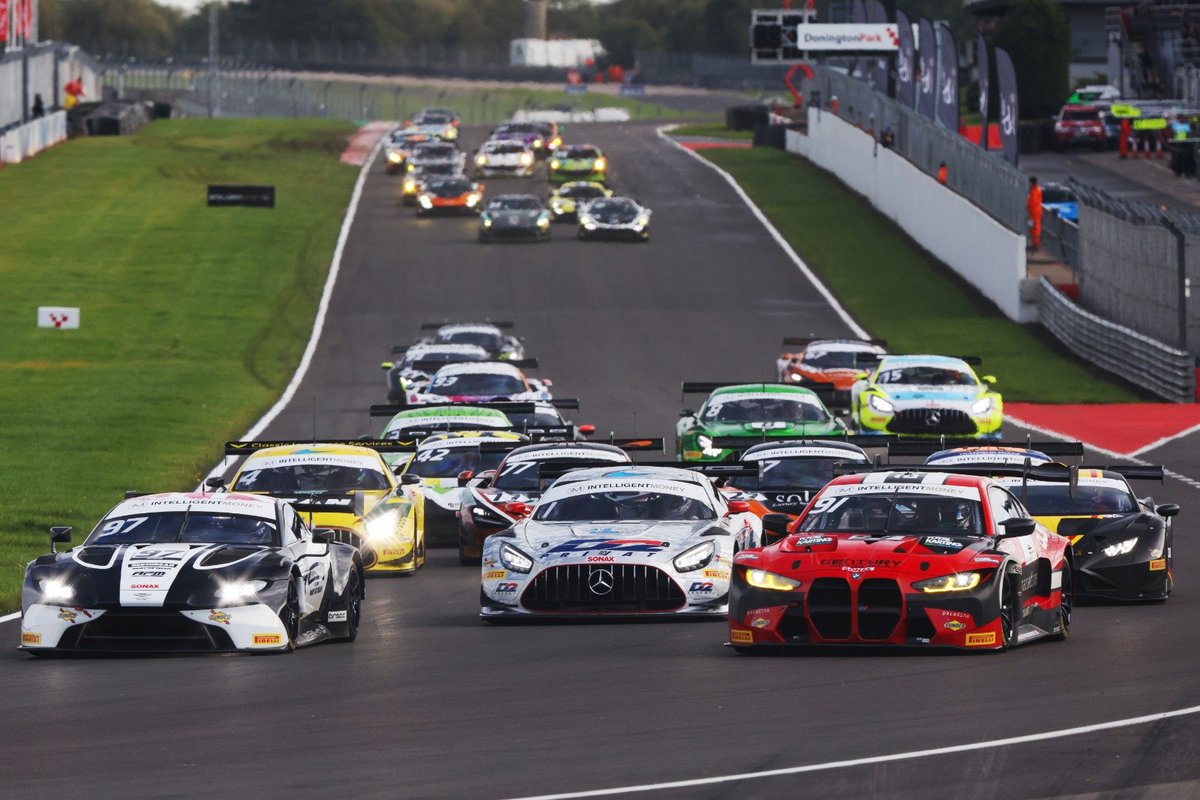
[921, 422]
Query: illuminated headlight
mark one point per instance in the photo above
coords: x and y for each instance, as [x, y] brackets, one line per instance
[239, 591]
[537, 145]
[641, 222]
[483, 514]
[694, 557]
[472, 200]
[797, 377]
[706, 446]
[381, 527]
[514, 559]
[543, 220]
[450, 133]
[525, 159]
[599, 165]
[555, 163]
[487, 222]
[395, 158]
[411, 167]
[879, 404]
[982, 406]
[557, 206]
[425, 201]
[410, 186]
[761, 579]
[958, 582]
[1120, 548]
[481, 160]
[56, 590]
[586, 221]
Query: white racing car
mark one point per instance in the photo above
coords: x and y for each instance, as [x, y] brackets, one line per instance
[613, 541]
[482, 382]
[504, 158]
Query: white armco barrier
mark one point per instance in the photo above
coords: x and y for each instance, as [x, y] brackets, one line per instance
[33, 137]
[982, 251]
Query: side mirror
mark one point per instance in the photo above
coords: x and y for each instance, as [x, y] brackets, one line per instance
[517, 509]
[214, 484]
[586, 430]
[465, 475]
[408, 479]
[686, 412]
[59, 534]
[991, 379]
[775, 527]
[1167, 509]
[1016, 526]
[862, 376]
[738, 507]
[324, 535]
[387, 365]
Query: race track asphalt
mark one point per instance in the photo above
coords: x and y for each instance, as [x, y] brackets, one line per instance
[431, 703]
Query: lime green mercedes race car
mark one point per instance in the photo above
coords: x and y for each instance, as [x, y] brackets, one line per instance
[578, 162]
[749, 412]
[927, 396]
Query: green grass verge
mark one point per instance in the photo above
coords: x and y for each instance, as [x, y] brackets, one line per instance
[898, 291]
[716, 130]
[193, 319]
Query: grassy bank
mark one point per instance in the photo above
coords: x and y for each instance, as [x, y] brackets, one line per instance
[714, 130]
[193, 318]
[899, 292]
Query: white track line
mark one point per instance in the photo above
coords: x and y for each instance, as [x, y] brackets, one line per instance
[858, 762]
[10, 617]
[1165, 440]
[322, 309]
[821, 288]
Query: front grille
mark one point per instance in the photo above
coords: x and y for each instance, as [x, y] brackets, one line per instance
[879, 606]
[829, 607]
[580, 587]
[513, 232]
[932, 420]
[125, 629]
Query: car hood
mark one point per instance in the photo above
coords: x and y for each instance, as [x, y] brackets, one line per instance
[614, 217]
[515, 216]
[813, 555]
[757, 429]
[929, 396]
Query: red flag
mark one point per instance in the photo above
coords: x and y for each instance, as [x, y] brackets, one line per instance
[3, 20]
[27, 19]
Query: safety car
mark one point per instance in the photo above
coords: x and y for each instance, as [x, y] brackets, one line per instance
[613, 218]
[925, 395]
[905, 558]
[192, 572]
[566, 200]
[490, 336]
[514, 216]
[617, 541]
[504, 158]
[578, 162]
[749, 412]
[448, 194]
[336, 486]
[483, 381]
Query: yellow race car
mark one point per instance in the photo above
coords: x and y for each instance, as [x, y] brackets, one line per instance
[345, 489]
[566, 200]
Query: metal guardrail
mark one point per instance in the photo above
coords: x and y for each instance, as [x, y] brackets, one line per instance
[1134, 211]
[1145, 362]
[1060, 238]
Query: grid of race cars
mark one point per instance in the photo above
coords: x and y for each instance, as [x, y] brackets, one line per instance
[863, 498]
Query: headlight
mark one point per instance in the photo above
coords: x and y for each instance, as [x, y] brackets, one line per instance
[706, 446]
[487, 222]
[641, 222]
[537, 144]
[599, 165]
[425, 201]
[450, 133]
[54, 589]
[586, 221]
[555, 163]
[472, 200]
[483, 514]
[981, 406]
[514, 559]
[238, 591]
[958, 582]
[411, 167]
[526, 159]
[543, 220]
[481, 160]
[395, 158]
[410, 186]
[879, 404]
[694, 557]
[381, 527]
[761, 579]
[1120, 548]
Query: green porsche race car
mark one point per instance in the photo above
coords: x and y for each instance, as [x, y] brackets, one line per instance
[578, 162]
[750, 412]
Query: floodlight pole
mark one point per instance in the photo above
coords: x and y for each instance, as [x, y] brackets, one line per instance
[214, 77]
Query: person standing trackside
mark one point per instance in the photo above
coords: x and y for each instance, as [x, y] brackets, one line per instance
[1033, 204]
[942, 174]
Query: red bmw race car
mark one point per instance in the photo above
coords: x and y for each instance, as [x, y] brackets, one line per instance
[906, 558]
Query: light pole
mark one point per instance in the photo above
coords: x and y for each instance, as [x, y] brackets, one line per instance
[214, 77]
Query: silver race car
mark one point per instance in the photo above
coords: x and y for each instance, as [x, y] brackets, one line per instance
[618, 541]
[614, 218]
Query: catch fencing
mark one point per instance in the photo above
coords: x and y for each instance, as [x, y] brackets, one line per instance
[1139, 359]
[982, 177]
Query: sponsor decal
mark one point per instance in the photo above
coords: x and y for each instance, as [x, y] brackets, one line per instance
[860, 563]
[67, 615]
[701, 587]
[619, 545]
[810, 541]
[268, 638]
[220, 617]
[1158, 564]
[760, 622]
[506, 588]
[337, 616]
[954, 625]
[941, 541]
[741, 637]
[27, 637]
[856, 572]
[601, 559]
[719, 574]
[144, 586]
[494, 575]
[981, 639]
[986, 560]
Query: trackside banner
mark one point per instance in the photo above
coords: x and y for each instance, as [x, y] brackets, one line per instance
[849, 37]
[876, 14]
[904, 62]
[927, 61]
[947, 79]
[981, 64]
[1010, 110]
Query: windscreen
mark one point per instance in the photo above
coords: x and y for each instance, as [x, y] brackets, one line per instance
[448, 462]
[505, 148]
[894, 512]
[476, 384]
[486, 339]
[1055, 500]
[533, 476]
[581, 152]
[442, 358]
[1057, 194]
[790, 473]
[612, 205]
[437, 151]
[763, 409]
[310, 478]
[926, 376]
[1081, 116]
[830, 359]
[515, 204]
[188, 527]
[450, 188]
[585, 191]
[621, 506]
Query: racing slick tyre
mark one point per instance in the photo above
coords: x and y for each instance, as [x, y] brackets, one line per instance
[291, 615]
[354, 597]
[1066, 604]
[1008, 614]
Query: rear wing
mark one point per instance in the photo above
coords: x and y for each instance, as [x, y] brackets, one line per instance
[339, 503]
[805, 341]
[1051, 473]
[245, 448]
[927, 447]
[823, 390]
[871, 359]
[433, 326]
[1134, 472]
[433, 365]
[746, 442]
[507, 407]
[628, 445]
[728, 469]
